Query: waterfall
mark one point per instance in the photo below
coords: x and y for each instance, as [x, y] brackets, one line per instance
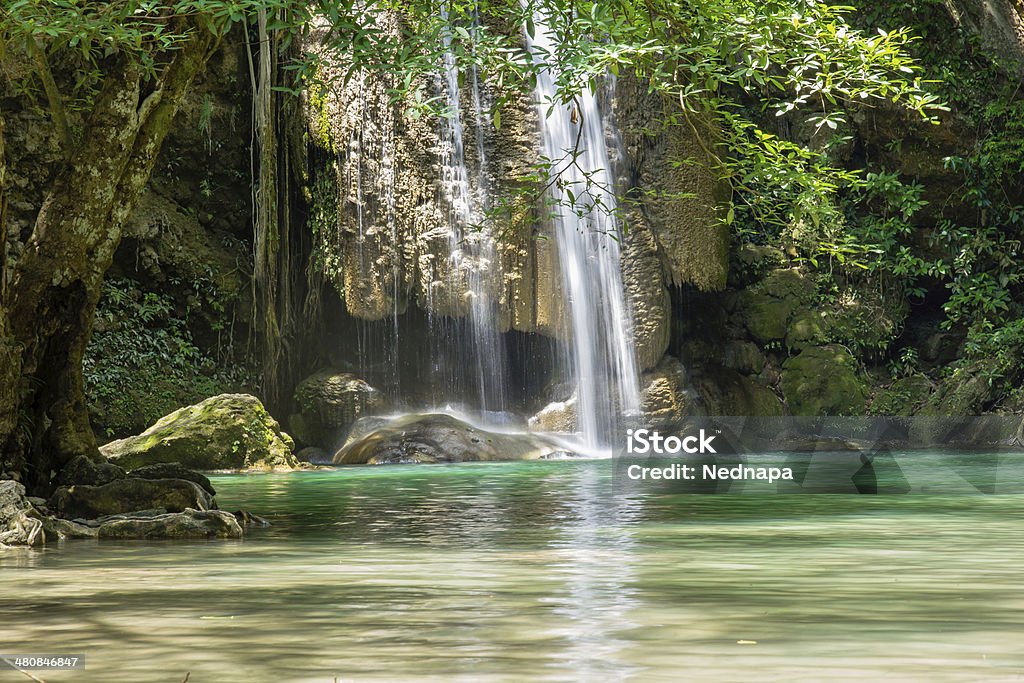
[473, 269]
[600, 354]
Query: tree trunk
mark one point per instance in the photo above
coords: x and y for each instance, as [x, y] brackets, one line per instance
[10, 354]
[56, 283]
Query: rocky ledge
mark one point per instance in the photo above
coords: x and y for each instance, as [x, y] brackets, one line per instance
[98, 500]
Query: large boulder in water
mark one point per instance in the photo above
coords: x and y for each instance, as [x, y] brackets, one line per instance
[226, 432]
[328, 403]
[129, 495]
[434, 438]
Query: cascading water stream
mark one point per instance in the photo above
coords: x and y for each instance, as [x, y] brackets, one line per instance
[473, 262]
[587, 234]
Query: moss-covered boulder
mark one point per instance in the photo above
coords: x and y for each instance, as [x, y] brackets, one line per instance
[744, 357]
[128, 495]
[328, 403]
[823, 380]
[766, 317]
[226, 432]
[808, 328]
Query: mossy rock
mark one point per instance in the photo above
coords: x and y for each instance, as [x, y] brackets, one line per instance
[765, 317]
[744, 357]
[808, 328]
[967, 391]
[226, 432]
[903, 397]
[789, 284]
[726, 392]
[185, 524]
[823, 380]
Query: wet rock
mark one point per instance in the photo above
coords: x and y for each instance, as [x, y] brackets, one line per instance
[58, 529]
[128, 495]
[83, 470]
[942, 348]
[230, 431]
[173, 470]
[18, 525]
[247, 519]
[823, 380]
[435, 438]
[188, 523]
[557, 417]
[329, 402]
[314, 455]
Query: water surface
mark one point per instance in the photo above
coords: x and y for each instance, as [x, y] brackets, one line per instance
[537, 571]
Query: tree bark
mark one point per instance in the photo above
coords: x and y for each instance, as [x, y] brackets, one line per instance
[56, 283]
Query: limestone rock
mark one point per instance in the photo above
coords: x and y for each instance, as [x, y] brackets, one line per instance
[83, 470]
[682, 208]
[823, 380]
[663, 396]
[434, 438]
[314, 455]
[646, 294]
[18, 526]
[558, 417]
[329, 402]
[188, 523]
[230, 431]
[129, 495]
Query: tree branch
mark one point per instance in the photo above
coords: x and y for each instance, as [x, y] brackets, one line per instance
[53, 97]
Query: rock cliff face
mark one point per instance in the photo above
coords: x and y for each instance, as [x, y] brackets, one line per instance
[384, 216]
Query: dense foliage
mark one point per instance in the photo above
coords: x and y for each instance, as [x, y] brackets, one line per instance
[143, 362]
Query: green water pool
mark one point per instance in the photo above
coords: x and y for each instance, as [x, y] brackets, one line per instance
[540, 571]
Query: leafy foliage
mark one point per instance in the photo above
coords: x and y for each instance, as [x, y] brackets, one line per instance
[142, 362]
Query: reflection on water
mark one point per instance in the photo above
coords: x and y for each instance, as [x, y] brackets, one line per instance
[537, 571]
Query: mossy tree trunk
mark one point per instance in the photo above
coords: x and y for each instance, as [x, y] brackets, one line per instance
[55, 285]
